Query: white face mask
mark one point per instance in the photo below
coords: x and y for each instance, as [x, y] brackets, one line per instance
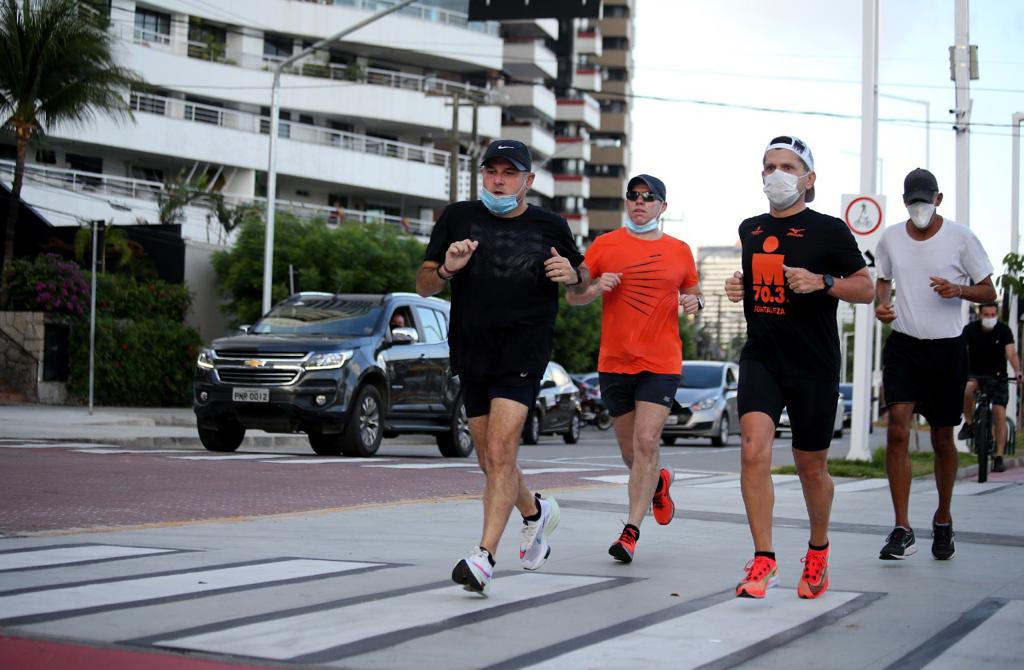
[921, 214]
[988, 324]
[782, 189]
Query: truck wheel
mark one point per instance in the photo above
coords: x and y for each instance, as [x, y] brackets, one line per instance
[457, 441]
[226, 437]
[363, 433]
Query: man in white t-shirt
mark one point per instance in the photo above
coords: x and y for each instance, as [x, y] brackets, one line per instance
[935, 265]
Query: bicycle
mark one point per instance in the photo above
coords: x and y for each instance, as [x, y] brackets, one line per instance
[983, 438]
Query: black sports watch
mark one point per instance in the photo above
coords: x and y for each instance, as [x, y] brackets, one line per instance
[700, 303]
[828, 280]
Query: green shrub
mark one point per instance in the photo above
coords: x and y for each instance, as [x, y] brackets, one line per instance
[146, 362]
[48, 283]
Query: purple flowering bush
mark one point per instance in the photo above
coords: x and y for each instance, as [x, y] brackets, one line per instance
[48, 283]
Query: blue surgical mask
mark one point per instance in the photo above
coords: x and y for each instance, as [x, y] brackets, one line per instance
[499, 204]
[648, 227]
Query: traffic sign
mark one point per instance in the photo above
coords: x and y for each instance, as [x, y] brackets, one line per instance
[865, 217]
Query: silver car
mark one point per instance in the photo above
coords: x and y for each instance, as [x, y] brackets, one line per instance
[705, 403]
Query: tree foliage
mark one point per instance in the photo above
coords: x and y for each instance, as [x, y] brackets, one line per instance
[351, 258]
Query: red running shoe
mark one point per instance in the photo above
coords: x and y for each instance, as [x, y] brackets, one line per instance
[762, 573]
[814, 581]
[624, 548]
[664, 508]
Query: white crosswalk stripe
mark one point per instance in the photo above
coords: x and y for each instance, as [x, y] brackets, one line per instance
[124, 591]
[997, 640]
[705, 635]
[424, 466]
[290, 637]
[45, 557]
[230, 457]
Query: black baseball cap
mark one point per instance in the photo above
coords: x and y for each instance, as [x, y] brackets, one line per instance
[919, 186]
[513, 151]
[656, 185]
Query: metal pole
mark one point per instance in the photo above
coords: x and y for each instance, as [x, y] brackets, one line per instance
[275, 109]
[473, 174]
[962, 75]
[859, 449]
[1017, 119]
[92, 320]
[453, 160]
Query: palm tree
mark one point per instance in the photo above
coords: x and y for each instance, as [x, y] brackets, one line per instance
[56, 67]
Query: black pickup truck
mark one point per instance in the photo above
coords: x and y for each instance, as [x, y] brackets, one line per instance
[345, 369]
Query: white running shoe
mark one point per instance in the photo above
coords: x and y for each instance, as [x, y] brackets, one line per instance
[474, 572]
[533, 544]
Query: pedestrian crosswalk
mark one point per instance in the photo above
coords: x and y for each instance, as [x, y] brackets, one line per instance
[21, 559]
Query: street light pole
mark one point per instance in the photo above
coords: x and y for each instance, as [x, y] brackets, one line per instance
[927, 124]
[1017, 119]
[96, 224]
[275, 114]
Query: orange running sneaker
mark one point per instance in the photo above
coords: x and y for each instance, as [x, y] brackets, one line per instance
[664, 508]
[814, 581]
[762, 573]
[624, 547]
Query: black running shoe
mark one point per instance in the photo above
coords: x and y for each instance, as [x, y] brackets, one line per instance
[942, 541]
[899, 545]
[966, 432]
[998, 465]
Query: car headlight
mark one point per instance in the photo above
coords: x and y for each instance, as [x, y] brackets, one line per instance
[706, 403]
[205, 359]
[327, 361]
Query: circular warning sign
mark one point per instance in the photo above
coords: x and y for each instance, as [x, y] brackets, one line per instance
[863, 215]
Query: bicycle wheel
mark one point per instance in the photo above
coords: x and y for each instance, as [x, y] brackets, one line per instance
[983, 441]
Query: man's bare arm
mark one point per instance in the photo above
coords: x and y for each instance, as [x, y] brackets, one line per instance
[428, 282]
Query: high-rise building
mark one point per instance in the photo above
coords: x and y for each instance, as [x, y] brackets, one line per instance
[721, 320]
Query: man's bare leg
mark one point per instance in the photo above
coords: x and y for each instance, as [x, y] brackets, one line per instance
[639, 433]
[497, 452]
[999, 416]
[969, 389]
[757, 433]
[897, 460]
[946, 463]
[812, 467]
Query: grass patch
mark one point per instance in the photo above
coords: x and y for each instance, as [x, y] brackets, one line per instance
[921, 463]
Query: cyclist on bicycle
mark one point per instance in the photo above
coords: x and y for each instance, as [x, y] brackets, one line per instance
[990, 345]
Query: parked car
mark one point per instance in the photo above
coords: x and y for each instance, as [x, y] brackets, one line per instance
[346, 370]
[705, 403]
[557, 410]
[837, 428]
[846, 390]
[593, 407]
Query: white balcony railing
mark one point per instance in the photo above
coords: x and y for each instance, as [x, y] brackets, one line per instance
[308, 67]
[125, 187]
[422, 12]
[299, 132]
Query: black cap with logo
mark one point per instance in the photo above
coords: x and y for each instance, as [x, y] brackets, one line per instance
[513, 151]
[919, 186]
[656, 185]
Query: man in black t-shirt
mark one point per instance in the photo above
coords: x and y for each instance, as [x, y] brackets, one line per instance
[990, 346]
[504, 259]
[797, 265]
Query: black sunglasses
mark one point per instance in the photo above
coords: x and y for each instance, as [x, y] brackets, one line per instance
[646, 196]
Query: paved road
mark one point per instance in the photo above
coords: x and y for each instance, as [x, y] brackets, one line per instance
[172, 557]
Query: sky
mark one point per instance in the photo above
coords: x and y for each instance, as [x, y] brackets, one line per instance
[806, 57]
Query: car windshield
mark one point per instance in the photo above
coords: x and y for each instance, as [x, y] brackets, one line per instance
[331, 316]
[846, 390]
[701, 377]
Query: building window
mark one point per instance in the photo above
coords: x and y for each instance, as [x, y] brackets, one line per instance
[206, 41]
[152, 26]
[616, 74]
[277, 47]
[46, 156]
[84, 163]
[620, 43]
[616, 12]
[613, 106]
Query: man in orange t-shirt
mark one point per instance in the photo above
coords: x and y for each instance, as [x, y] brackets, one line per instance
[644, 277]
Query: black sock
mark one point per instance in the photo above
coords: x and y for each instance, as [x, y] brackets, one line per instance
[635, 529]
[534, 517]
[766, 554]
[490, 559]
[821, 548]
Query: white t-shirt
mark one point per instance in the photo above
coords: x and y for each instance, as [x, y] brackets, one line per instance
[953, 253]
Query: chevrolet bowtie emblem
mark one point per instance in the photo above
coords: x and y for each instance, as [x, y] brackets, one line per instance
[253, 363]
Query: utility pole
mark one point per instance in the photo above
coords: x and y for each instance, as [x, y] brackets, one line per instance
[474, 150]
[1016, 120]
[964, 65]
[97, 228]
[275, 118]
[453, 160]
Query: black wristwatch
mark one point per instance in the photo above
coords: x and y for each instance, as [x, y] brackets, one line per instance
[579, 277]
[829, 281]
[700, 303]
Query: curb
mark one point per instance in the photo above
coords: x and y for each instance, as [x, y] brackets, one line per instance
[971, 471]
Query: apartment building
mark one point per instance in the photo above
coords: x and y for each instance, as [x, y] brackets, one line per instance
[721, 321]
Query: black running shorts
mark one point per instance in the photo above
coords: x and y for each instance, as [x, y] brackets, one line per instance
[477, 394]
[929, 373]
[811, 403]
[621, 391]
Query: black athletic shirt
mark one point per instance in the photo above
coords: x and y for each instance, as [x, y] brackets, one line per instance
[794, 335]
[503, 306]
[988, 349]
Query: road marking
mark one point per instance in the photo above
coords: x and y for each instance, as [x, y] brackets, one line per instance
[548, 471]
[624, 479]
[65, 600]
[309, 633]
[229, 457]
[996, 643]
[705, 635]
[862, 485]
[424, 466]
[55, 445]
[44, 557]
[735, 483]
[101, 450]
[320, 461]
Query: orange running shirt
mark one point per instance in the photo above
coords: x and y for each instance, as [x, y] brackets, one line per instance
[640, 316]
